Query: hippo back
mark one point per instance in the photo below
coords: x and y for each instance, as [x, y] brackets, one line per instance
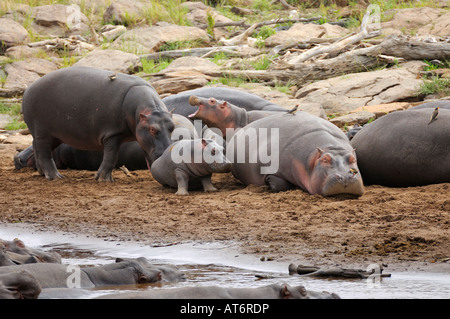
[402, 149]
[180, 102]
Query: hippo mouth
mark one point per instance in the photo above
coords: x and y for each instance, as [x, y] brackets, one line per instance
[337, 184]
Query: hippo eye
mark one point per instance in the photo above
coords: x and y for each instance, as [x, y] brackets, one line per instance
[212, 101]
[326, 159]
[213, 151]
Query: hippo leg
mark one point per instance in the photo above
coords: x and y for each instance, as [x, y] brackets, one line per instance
[110, 155]
[207, 185]
[44, 160]
[182, 182]
[278, 184]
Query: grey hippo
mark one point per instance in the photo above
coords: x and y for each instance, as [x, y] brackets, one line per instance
[189, 164]
[131, 154]
[86, 109]
[295, 150]
[179, 103]
[404, 149]
[274, 291]
[19, 285]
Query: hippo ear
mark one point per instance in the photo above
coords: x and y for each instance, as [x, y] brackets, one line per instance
[204, 143]
[223, 105]
[285, 292]
[19, 243]
[171, 112]
[314, 158]
[143, 117]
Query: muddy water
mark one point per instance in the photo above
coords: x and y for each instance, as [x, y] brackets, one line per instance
[219, 264]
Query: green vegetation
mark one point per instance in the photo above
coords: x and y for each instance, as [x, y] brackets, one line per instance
[151, 66]
[436, 85]
[14, 111]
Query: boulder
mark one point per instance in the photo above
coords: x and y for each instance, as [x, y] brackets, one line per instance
[301, 32]
[383, 109]
[149, 39]
[342, 94]
[18, 79]
[191, 63]
[410, 20]
[59, 20]
[36, 65]
[440, 26]
[11, 34]
[361, 118]
[23, 52]
[180, 81]
[124, 12]
[113, 60]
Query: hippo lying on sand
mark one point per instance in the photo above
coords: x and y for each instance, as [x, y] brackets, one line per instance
[213, 292]
[189, 164]
[179, 103]
[86, 109]
[404, 149]
[16, 251]
[300, 149]
[130, 155]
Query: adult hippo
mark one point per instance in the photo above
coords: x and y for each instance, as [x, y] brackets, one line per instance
[18, 252]
[441, 104]
[222, 114]
[179, 103]
[189, 164]
[71, 276]
[299, 150]
[274, 291]
[19, 285]
[131, 154]
[401, 149]
[86, 109]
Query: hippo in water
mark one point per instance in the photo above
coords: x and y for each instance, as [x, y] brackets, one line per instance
[404, 149]
[179, 103]
[301, 150]
[131, 154]
[188, 164]
[89, 110]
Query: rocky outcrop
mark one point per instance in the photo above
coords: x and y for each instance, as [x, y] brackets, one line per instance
[345, 93]
[113, 60]
[11, 33]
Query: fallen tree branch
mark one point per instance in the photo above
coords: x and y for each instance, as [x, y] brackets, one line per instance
[260, 24]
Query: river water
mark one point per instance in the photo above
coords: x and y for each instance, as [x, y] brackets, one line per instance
[221, 264]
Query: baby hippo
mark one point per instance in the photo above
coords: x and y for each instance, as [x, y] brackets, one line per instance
[189, 164]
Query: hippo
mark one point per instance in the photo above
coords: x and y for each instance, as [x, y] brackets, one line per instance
[86, 109]
[19, 285]
[179, 103]
[442, 104]
[402, 149]
[19, 253]
[274, 291]
[131, 154]
[222, 115]
[61, 276]
[352, 131]
[200, 158]
[169, 273]
[305, 151]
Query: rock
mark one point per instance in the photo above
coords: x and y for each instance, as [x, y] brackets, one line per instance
[39, 66]
[113, 60]
[301, 32]
[179, 82]
[361, 118]
[11, 34]
[122, 11]
[111, 32]
[439, 26]
[149, 39]
[23, 52]
[18, 79]
[191, 63]
[383, 109]
[342, 94]
[410, 20]
[59, 20]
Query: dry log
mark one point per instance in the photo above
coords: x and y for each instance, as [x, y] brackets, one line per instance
[260, 24]
[173, 54]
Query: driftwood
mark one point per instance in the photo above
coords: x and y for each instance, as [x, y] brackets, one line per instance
[333, 49]
[394, 47]
[72, 44]
[260, 24]
[201, 52]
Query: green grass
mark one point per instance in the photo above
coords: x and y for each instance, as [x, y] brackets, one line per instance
[13, 110]
[436, 85]
[150, 66]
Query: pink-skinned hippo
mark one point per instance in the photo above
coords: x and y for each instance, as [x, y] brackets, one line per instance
[405, 148]
[88, 109]
[222, 114]
[295, 150]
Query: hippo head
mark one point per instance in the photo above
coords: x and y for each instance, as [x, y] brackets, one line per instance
[25, 159]
[213, 155]
[216, 113]
[153, 133]
[333, 171]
